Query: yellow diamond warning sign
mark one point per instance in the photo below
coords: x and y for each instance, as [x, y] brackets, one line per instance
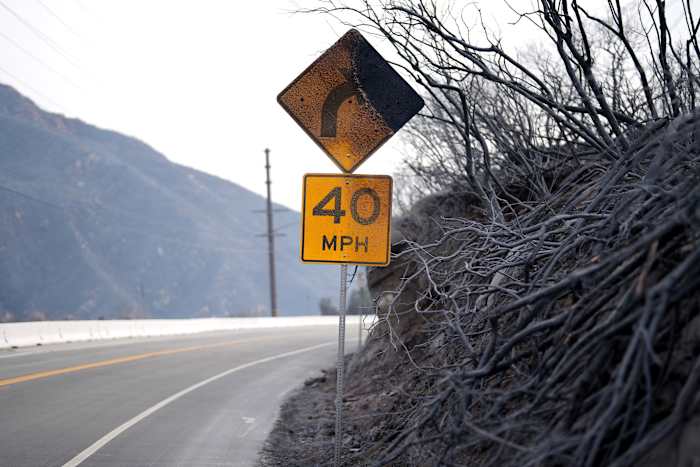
[346, 219]
[350, 101]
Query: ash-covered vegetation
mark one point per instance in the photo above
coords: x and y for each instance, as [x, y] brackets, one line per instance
[542, 305]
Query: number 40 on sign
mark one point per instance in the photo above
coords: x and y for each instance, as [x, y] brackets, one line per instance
[346, 219]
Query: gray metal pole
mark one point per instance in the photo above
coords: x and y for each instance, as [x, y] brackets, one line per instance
[359, 331]
[340, 364]
[270, 240]
[360, 283]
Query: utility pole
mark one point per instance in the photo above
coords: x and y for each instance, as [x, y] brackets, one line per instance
[270, 239]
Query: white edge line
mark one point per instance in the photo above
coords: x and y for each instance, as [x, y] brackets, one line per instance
[97, 445]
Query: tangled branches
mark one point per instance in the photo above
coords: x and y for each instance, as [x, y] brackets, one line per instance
[557, 292]
[557, 336]
[497, 111]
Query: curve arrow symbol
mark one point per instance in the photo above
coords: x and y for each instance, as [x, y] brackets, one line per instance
[329, 111]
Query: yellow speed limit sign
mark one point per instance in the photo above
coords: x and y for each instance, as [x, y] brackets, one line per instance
[346, 219]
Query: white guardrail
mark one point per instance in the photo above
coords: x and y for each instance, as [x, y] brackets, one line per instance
[53, 332]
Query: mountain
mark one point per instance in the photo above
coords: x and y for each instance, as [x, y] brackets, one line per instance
[97, 224]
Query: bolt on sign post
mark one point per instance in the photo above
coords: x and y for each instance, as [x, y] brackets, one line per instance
[350, 101]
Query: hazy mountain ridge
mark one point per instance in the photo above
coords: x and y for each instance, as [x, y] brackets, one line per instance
[94, 223]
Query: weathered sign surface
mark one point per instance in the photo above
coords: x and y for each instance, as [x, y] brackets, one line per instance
[346, 219]
[350, 101]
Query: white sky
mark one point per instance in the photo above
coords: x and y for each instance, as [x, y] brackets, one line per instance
[197, 80]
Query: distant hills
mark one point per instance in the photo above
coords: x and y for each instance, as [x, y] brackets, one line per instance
[97, 224]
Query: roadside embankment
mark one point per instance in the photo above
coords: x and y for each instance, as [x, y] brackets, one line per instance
[563, 330]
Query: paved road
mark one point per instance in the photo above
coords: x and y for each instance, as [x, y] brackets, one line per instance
[203, 400]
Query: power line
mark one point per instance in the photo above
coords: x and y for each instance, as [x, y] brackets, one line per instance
[60, 20]
[284, 226]
[40, 61]
[165, 238]
[31, 88]
[30, 197]
[82, 6]
[80, 203]
[37, 32]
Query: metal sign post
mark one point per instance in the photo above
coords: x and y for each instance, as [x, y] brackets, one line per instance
[340, 364]
[350, 101]
[359, 330]
[360, 327]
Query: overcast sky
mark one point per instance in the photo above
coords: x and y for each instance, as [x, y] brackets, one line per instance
[197, 80]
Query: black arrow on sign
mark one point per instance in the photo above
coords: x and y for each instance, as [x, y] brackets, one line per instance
[329, 111]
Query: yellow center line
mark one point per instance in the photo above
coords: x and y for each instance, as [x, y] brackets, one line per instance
[116, 361]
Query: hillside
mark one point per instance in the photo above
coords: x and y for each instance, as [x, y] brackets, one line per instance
[97, 224]
[598, 365]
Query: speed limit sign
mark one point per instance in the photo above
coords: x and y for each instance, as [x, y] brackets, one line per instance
[350, 101]
[346, 219]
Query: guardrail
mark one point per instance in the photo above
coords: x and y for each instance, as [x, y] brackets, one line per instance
[53, 332]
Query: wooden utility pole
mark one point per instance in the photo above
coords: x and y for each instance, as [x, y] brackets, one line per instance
[270, 240]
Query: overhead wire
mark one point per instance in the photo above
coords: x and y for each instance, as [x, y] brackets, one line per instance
[33, 89]
[53, 45]
[58, 18]
[82, 6]
[48, 41]
[91, 207]
[284, 226]
[169, 239]
[37, 32]
[30, 197]
[40, 61]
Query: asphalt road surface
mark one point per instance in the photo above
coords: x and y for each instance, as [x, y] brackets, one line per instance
[203, 400]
